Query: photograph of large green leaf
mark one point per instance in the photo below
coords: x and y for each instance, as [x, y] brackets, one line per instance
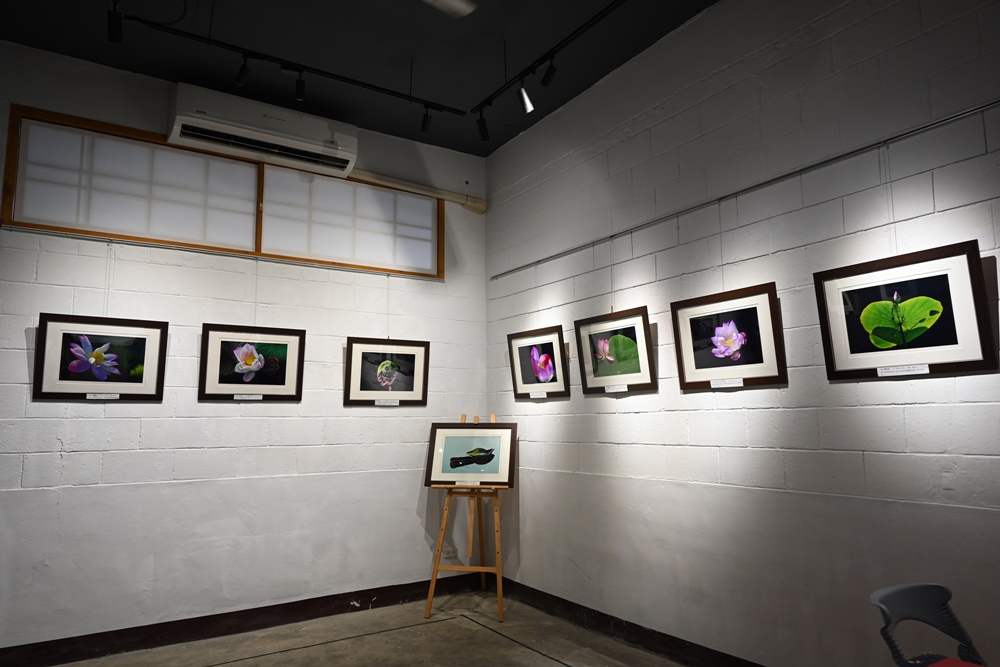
[625, 353]
[893, 323]
[900, 315]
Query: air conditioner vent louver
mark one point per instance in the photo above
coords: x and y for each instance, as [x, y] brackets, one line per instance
[235, 126]
[263, 147]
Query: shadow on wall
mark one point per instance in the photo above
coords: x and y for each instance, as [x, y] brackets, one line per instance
[992, 296]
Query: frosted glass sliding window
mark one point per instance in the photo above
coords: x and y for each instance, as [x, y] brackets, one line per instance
[329, 219]
[96, 183]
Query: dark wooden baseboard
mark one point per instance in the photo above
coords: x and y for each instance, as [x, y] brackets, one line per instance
[72, 649]
[673, 648]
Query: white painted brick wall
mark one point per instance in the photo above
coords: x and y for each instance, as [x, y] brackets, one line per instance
[938, 147]
[130, 467]
[204, 463]
[974, 180]
[831, 78]
[779, 87]
[825, 472]
[752, 467]
[912, 197]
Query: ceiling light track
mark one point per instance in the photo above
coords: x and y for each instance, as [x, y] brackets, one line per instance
[547, 57]
[293, 66]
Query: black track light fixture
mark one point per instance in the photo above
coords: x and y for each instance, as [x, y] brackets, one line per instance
[241, 75]
[425, 122]
[300, 89]
[550, 73]
[115, 19]
[484, 132]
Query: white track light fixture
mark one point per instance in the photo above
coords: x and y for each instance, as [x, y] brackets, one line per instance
[525, 100]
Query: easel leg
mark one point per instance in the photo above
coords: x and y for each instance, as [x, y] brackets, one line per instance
[482, 544]
[437, 555]
[496, 529]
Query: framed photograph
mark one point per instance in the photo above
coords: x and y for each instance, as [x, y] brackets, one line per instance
[99, 358]
[730, 339]
[472, 455]
[616, 352]
[384, 372]
[538, 367]
[913, 314]
[243, 363]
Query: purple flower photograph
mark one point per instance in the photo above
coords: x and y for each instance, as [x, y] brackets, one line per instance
[537, 363]
[113, 359]
[726, 339]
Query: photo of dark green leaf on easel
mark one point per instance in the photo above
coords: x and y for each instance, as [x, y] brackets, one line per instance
[615, 352]
[252, 362]
[915, 313]
[471, 453]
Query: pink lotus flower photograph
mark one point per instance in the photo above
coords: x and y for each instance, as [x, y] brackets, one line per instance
[604, 350]
[248, 361]
[728, 340]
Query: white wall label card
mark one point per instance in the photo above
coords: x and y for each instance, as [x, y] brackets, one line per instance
[538, 394]
[727, 383]
[615, 388]
[248, 397]
[103, 397]
[387, 402]
[909, 369]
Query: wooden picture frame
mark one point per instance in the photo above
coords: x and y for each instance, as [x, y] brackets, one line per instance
[616, 352]
[730, 339]
[913, 314]
[245, 363]
[472, 454]
[386, 373]
[538, 366]
[99, 358]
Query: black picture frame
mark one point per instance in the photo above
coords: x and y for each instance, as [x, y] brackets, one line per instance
[404, 382]
[80, 357]
[747, 348]
[276, 359]
[538, 365]
[864, 308]
[635, 371]
[462, 454]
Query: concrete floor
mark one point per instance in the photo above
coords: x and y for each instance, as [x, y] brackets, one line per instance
[462, 630]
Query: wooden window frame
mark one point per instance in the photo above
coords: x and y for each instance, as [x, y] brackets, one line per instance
[19, 113]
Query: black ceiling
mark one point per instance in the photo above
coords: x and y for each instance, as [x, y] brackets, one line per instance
[406, 46]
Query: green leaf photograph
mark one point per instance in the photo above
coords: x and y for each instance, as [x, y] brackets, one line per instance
[909, 314]
[615, 352]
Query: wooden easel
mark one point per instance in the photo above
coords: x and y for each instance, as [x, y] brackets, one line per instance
[475, 494]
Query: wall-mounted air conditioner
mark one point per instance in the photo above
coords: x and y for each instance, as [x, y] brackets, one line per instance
[232, 125]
